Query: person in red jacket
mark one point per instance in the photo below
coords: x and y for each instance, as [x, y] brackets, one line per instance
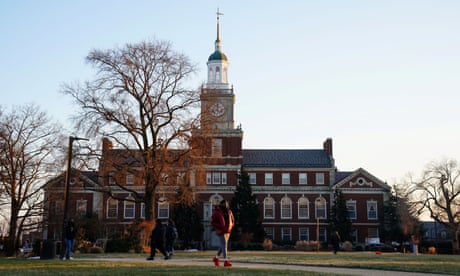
[223, 221]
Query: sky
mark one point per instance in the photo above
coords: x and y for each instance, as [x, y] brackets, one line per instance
[381, 78]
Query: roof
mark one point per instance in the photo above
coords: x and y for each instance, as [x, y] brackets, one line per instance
[287, 158]
[217, 55]
[339, 176]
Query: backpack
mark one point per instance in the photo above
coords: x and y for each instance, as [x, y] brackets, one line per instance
[172, 232]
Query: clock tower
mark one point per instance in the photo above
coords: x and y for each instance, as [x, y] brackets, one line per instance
[223, 140]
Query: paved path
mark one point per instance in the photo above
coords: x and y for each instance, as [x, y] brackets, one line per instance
[320, 269]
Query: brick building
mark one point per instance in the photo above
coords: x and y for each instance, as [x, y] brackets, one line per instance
[294, 188]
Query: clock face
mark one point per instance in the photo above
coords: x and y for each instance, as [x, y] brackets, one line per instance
[217, 109]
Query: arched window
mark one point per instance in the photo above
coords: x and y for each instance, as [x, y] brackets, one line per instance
[218, 76]
[112, 208]
[286, 208]
[320, 206]
[303, 211]
[269, 207]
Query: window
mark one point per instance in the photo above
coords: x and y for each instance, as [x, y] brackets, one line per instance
[215, 178]
[286, 208]
[129, 179]
[351, 207]
[372, 209]
[285, 178]
[112, 208]
[319, 178]
[320, 205]
[216, 149]
[142, 211]
[303, 208]
[112, 178]
[354, 235]
[252, 178]
[81, 207]
[304, 234]
[270, 233]
[59, 207]
[163, 208]
[302, 178]
[322, 234]
[269, 208]
[129, 209]
[286, 233]
[269, 178]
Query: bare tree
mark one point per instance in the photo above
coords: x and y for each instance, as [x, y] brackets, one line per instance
[28, 151]
[438, 193]
[139, 99]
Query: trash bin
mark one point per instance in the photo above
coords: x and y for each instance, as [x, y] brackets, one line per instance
[48, 250]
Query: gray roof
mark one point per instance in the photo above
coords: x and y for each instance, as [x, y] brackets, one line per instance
[286, 158]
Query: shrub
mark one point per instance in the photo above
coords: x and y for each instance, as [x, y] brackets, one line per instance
[306, 245]
[347, 246]
[117, 245]
[267, 244]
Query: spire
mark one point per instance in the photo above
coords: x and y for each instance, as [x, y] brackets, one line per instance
[218, 44]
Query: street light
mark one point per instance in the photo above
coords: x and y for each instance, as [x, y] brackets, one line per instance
[318, 202]
[67, 190]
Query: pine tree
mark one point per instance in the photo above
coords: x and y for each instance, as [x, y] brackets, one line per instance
[246, 211]
[340, 219]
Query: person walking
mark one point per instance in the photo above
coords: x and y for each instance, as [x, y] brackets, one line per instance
[171, 236]
[335, 240]
[223, 221]
[70, 233]
[157, 241]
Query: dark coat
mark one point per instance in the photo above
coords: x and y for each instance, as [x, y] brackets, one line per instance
[70, 230]
[158, 234]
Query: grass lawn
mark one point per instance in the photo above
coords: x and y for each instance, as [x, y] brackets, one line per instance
[135, 264]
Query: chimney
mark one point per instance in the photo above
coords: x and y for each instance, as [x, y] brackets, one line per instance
[106, 145]
[327, 146]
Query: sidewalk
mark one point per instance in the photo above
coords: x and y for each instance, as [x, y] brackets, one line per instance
[320, 269]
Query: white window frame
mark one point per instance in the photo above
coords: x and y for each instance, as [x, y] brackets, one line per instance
[252, 178]
[351, 208]
[216, 178]
[286, 208]
[372, 204]
[129, 179]
[285, 178]
[320, 179]
[81, 206]
[320, 208]
[304, 234]
[269, 207]
[286, 233]
[208, 178]
[142, 210]
[129, 209]
[223, 178]
[270, 232]
[163, 209]
[112, 208]
[303, 208]
[268, 178]
[303, 180]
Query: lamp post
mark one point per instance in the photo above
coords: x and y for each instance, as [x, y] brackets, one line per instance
[318, 202]
[67, 190]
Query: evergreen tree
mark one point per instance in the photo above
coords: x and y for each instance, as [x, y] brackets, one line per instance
[340, 219]
[246, 212]
[187, 220]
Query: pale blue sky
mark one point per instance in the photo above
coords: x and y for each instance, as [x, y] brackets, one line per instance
[381, 78]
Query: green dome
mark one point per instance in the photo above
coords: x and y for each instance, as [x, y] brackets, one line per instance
[217, 55]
